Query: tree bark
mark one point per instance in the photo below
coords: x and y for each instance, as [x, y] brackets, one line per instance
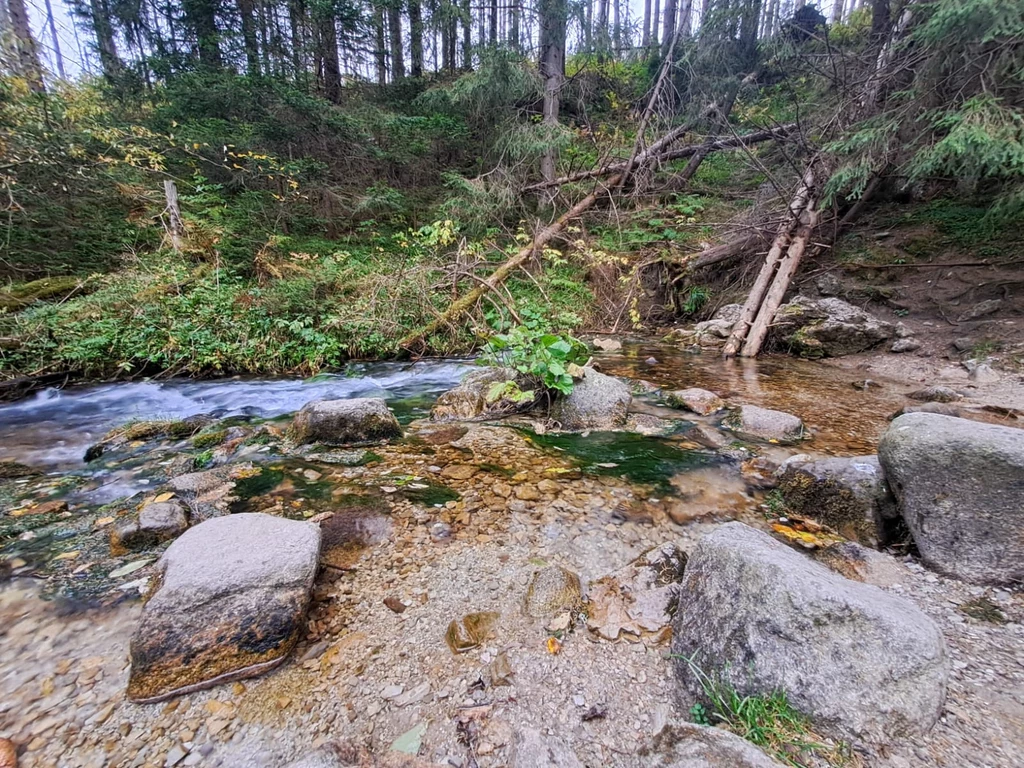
[655, 21]
[380, 49]
[764, 278]
[686, 19]
[514, 39]
[669, 26]
[787, 268]
[645, 40]
[55, 41]
[110, 62]
[492, 36]
[327, 53]
[252, 54]
[552, 68]
[467, 36]
[395, 33]
[415, 38]
[175, 227]
[26, 51]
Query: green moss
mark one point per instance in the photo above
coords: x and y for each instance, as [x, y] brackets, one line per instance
[209, 439]
[435, 494]
[983, 609]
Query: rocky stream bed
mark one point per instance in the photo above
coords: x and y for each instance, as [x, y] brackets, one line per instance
[471, 591]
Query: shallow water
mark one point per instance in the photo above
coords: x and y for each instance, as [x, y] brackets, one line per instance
[843, 420]
[54, 427]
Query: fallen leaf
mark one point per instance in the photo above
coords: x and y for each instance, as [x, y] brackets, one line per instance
[554, 645]
[163, 497]
[132, 567]
[67, 555]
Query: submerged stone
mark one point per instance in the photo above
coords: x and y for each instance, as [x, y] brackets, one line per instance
[764, 424]
[701, 401]
[231, 596]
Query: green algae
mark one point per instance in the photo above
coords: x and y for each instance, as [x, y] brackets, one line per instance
[644, 460]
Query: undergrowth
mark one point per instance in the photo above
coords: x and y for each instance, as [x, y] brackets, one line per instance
[767, 720]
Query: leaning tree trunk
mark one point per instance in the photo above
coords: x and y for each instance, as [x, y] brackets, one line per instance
[26, 50]
[767, 273]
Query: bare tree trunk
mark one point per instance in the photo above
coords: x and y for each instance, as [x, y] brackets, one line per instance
[252, 54]
[764, 278]
[395, 31]
[838, 8]
[467, 36]
[201, 17]
[415, 38]
[669, 26]
[645, 40]
[492, 36]
[380, 50]
[686, 18]
[514, 38]
[296, 25]
[787, 268]
[55, 41]
[655, 21]
[553, 20]
[603, 37]
[26, 50]
[660, 151]
[175, 227]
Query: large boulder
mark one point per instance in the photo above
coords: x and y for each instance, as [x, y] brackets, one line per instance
[860, 662]
[469, 400]
[688, 745]
[960, 489]
[713, 332]
[754, 423]
[848, 494]
[345, 422]
[597, 401]
[828, 327]
[230, 600]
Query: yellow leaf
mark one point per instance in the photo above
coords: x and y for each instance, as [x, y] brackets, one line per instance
[554, 645]
[164, 497]
[67, 555]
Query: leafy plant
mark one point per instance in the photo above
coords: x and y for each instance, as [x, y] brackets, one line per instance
[553, 360]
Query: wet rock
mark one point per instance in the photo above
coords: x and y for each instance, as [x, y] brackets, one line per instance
[935, 394]
[345, 422]
[758, 473]
[901, 346]
[470, 631]
[688, 745]
[858, 563]
[551, 591]
[157, 521]
[981, 309]
[12, 469]
[695, 399]
[848, 494]
[828, 327]
[960, 492]
[532, 749]
[231, 597]
[764, 424]
[607, 344]
[469, 399]
[862, 663]
[945, 409]
[8, 754]
[639, 599]
[597, 401]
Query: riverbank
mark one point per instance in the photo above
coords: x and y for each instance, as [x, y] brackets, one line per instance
[452, 520]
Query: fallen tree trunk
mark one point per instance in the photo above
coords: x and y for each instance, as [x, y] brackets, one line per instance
[660, 151]
[787, 268]
[414, 341]
[764, 278]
